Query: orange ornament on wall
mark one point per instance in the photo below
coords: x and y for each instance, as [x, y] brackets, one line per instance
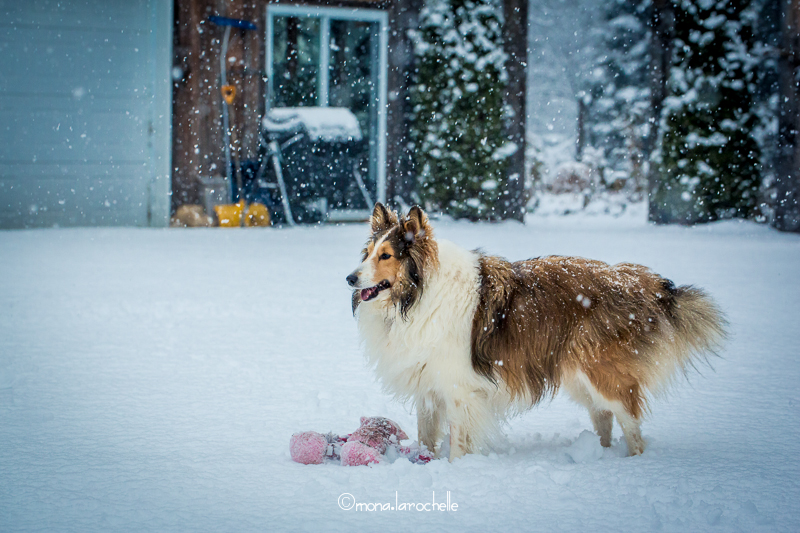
[228, 93]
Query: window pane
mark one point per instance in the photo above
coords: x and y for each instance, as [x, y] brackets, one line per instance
[295, 60]
[352, 83]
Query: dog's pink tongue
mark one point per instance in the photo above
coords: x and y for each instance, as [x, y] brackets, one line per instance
[366, 294]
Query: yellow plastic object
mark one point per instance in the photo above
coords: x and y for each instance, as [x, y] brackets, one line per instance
[257, 215]
[228, 93]
[229, 215]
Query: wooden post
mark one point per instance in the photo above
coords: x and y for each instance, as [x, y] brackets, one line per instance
[515, 37]
[787, 166]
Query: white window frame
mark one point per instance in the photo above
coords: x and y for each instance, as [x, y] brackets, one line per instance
[325, 15]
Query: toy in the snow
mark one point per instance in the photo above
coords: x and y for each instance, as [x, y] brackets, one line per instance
[376, 441]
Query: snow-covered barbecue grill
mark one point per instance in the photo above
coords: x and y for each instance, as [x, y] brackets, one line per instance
[317, 156]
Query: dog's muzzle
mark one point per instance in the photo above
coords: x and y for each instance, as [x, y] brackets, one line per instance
[372, 292]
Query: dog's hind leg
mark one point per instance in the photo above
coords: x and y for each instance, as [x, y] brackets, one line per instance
[603, 409]
[628, 408]
[630, 427]
[603, 421]
[581, 392]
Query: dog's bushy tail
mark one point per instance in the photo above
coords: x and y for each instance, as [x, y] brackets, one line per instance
[698, 320]
[697, 328]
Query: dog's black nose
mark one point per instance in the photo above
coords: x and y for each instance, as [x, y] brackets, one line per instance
[352, 279]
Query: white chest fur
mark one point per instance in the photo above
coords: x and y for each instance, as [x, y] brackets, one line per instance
[429, 352]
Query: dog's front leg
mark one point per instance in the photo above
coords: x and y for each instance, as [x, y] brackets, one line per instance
[459, 442]
[430, 415]
[470, 422]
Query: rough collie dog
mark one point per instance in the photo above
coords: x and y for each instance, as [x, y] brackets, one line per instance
[471, 338]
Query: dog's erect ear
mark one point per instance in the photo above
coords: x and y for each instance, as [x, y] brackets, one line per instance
[416, 225]
[382, 218]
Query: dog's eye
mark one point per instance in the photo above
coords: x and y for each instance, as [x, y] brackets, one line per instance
[384, 257]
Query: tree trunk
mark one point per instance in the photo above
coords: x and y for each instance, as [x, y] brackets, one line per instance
[581, 129]
[787, 166]
[663, 21]
[515, 33]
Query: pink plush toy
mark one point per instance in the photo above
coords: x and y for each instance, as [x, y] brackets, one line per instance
[371, 443]
[309, 447]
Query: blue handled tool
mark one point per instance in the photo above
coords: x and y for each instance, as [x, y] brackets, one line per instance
[226, 91]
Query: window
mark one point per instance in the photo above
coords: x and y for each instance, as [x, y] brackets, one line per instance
[333, 57]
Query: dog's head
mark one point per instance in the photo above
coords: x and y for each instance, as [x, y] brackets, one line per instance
[394, 259]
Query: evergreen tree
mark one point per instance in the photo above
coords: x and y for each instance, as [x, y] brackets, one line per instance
[618, 97]
[709, 159]
[458, 108]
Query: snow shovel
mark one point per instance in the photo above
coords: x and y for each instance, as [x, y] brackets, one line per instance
[228, 91]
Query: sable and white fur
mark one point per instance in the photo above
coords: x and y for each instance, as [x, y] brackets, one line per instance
[471, 338]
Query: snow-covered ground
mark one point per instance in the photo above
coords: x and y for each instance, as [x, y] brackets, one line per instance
[151, 379]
